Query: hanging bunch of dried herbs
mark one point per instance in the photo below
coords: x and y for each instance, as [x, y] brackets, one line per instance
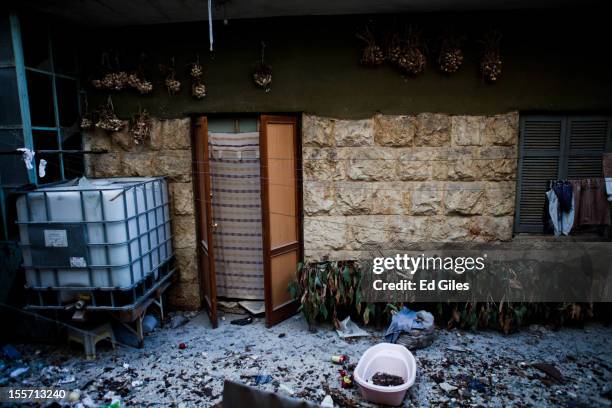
[173, 85]
[450, 58]
[107, 118]
[394, 48]
[196, 71]
[143, 86]
[372, 54]
[140, 126]
[491, 64]
[114, 79]
[262, 74]
[87, 121]
[198, 89]
[413, 58]
[137, 79]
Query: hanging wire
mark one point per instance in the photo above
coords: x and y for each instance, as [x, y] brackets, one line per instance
[210, 24]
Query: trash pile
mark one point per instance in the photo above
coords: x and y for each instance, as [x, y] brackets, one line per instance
[12, 366]
[32, 372]
[414, 330]
[530, 368]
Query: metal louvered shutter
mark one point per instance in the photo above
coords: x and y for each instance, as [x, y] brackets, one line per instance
[587, 141]
[540, 160]
[556, 147]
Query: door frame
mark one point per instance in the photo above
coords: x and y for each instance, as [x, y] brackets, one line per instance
[201, 120]
[201, 170]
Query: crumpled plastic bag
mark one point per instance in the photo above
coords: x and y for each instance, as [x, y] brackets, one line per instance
[349, 329]
[406, 320]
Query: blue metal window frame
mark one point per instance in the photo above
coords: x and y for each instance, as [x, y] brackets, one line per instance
[22, 88]
[21, 73]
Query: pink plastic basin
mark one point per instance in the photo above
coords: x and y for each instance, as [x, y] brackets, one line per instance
[385, 358]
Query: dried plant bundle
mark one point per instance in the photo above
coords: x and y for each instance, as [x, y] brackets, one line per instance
[372, 54]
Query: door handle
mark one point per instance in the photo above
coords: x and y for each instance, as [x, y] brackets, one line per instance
[215, 225]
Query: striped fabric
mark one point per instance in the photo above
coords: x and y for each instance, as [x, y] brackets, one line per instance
[237, 212]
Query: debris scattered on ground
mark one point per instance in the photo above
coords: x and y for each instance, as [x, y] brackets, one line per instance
[339, 359]
[74, 396]
[414, 330]
[349, 329]
[243, 321]
[327, 402]
[254, 307]
[490, 374]
[287, 389]
[227, 304]
[476, 385]
[387, 380]
[447, 388]
[67, 380]
[346, 379]
[18, 371]
[341, 399]
[550, 370]
[228, 307]
[182, 346]
[457, 349]
[280, 336]
[262, 379]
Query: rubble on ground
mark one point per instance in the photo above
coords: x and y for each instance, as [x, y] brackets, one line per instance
[460, 369]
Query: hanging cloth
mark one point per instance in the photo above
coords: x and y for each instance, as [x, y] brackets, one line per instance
[607, 171]
[235, 174]
[563, 190]
[592, 207]
[562, 221]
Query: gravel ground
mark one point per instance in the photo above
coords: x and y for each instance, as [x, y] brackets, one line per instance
[487, 368]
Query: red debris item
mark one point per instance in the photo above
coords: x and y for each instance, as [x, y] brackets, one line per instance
[347, 381]
[339, 359]
[182, 346]
[342, 373]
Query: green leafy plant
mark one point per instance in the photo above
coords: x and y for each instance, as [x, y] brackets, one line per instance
[509, 317]
[328, 289]
[323, 288]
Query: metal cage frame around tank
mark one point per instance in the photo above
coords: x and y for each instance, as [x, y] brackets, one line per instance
[109, 297]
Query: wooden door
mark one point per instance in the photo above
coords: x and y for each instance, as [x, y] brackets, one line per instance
[204, 196]
[281, 209]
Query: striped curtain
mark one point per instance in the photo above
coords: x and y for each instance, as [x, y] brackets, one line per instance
[236, 206]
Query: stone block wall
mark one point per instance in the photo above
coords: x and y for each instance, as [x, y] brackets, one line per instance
[385, 181]
[167, 153]
[389, 181]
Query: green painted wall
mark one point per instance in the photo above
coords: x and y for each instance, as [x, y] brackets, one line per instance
[553, 61]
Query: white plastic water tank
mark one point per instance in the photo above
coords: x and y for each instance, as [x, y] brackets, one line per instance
[96, 233]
